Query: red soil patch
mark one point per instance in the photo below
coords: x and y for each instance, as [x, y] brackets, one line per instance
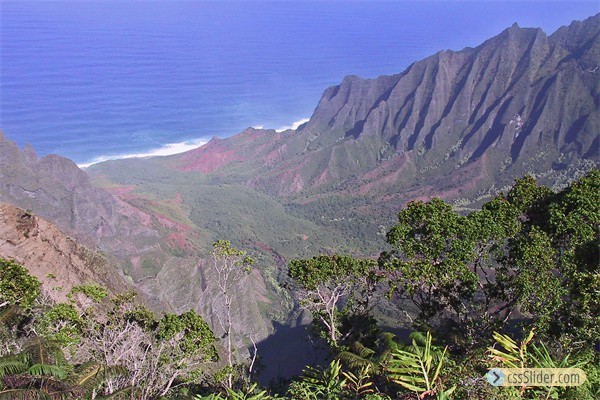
[385, 175]
[170, 224]
[276, 155]
[124, 192]
[263, 247]
[179, 240]
[178, 199]
[213, 155]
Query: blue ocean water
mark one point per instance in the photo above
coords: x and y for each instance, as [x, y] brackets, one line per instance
[99, 79]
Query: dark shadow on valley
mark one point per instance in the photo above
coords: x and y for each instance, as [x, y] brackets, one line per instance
[286, 353]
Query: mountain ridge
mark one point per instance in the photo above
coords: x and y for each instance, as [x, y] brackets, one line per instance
[503, 96]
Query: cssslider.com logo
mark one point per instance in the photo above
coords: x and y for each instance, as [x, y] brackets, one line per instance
[536, 376]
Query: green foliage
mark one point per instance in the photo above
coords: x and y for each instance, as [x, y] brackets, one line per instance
[534, 282]
[253, 393]
[319, 384]
[62, 324]
[360, 382]
[433, 247]
[223, 249]
[418, 368]
[530, 250]
[197, 337]
[40, 367]
[95, 292]
[359, 356]
[530, 355]
[325, 280]
[325, 269]
[575, 227]
[17, 286]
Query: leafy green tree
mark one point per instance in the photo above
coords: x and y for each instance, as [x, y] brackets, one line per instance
[550, 268]
[430, 263]
[17, 286]
[324, 281]
[61, 324]
[196, 335]
[575, 227]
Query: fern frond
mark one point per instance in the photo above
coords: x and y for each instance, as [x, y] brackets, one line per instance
[354, 360]
[12, 365]
[43, 351]
[46, 370]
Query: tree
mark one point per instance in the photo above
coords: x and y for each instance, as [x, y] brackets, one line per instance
[575, 231]
[550, 266]
[430, 265]
[230, 266]
[17, 286]
[156, 354]
[324, 281]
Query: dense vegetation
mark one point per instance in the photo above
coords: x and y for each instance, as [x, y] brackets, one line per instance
[515, 283]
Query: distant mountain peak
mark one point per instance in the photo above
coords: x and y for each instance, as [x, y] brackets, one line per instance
[519, 96]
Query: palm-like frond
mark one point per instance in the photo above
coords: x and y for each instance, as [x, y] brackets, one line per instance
[47, 371]
[92, 375]
[388, 343]
[88, 376]
[43, 351]
[12, 365]
[418, 367]
[513, 355]
[359, 356]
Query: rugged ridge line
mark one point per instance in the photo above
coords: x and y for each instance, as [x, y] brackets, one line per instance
[517, 96]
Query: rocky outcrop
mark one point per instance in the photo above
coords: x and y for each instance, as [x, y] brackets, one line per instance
[56, 189]
[512, 98]
[56, 259]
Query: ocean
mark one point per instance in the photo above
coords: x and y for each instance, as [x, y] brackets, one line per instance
[95, 80]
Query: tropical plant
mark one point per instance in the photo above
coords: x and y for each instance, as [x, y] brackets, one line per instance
[17, 286]
[319, 384]
[253, 393]
[359, 356]
[418, 368]
[359, 383]
[40, 371]
[529, 355]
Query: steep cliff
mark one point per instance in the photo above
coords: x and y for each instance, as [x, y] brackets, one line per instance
[56, 259]
[521, 102]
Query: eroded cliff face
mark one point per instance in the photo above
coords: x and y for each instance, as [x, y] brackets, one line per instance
[521, 102]
[147, 249]
[56, 189]
[53, 257]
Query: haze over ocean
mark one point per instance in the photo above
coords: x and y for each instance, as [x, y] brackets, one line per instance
[102, 79]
